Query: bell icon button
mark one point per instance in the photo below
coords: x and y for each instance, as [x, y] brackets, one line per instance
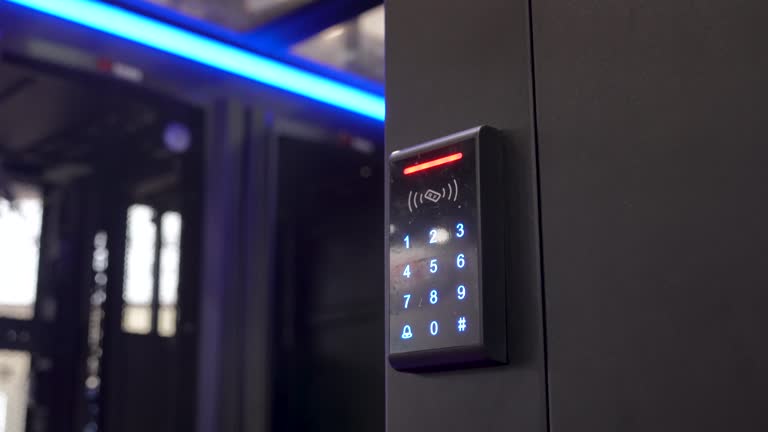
[407, 333]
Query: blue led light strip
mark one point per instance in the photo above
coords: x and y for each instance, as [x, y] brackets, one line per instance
[164, 37]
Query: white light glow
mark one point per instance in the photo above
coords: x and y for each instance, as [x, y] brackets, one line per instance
[170, 255]
[139, 255]
[441, 235]
[20, 227]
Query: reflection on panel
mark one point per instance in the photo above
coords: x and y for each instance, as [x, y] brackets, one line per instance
[139, 270]
[14, 389]
[356, 46]
[20, 226]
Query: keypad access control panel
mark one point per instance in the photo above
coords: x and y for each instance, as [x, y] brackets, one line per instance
[446, 252]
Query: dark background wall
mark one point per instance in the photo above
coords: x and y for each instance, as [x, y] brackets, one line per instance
[450, 66]
[327, 323]
[651, 120]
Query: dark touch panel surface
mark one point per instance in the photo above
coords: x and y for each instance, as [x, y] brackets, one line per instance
[433, 252]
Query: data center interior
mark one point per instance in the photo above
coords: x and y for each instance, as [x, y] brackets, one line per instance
[207, 224]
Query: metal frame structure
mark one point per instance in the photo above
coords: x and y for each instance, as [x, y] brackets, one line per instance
[240, 191]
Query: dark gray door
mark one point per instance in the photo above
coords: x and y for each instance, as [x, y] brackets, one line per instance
[651, 120]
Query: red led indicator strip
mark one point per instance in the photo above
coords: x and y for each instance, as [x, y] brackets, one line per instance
[433, 163]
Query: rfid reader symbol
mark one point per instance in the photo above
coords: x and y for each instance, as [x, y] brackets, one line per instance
[432, 195]
[449, 192]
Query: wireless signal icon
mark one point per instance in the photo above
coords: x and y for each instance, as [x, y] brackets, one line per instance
[449, 192]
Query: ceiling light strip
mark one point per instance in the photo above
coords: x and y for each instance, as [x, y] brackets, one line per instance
[210, 52]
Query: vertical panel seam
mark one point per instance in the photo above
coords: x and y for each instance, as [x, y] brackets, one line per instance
[537, 194]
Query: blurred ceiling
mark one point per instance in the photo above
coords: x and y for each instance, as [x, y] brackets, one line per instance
[53, 122]
[238, 15]
[356, 45]
[345, 35]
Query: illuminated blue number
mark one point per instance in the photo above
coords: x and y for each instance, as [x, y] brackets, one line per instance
[461, 292]
[432, 236]
[407, 271]
[433, 266]
[407, 241]
[460, 230]
[407, 298]
[433, 296]
[433, 328]
[460, 261]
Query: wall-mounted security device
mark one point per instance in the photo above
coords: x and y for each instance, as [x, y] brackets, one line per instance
[446, 280]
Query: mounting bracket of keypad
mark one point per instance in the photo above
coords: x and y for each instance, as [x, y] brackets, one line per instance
[446, 252]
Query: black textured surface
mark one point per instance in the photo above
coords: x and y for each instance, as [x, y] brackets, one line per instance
[653, 168]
